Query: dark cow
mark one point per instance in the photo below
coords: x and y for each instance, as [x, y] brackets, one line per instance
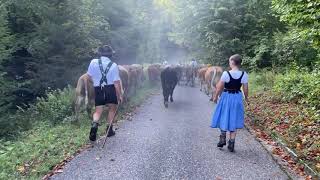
[169, 80]
[179, 71]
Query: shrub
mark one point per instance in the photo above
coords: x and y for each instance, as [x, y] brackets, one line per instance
[56, 106]
[300, 87]
[261, 81]
[52, 109]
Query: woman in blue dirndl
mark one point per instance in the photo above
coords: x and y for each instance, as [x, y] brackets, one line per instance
[229, 113]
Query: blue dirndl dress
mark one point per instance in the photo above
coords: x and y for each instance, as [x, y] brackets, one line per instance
[229, 112]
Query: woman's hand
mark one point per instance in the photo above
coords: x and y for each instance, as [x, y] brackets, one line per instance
[215, 99]
[219, 89]
[247, 101]
[246, 92]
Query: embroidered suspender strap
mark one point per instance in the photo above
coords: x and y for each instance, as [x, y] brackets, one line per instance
[230, 75]
[103, 80]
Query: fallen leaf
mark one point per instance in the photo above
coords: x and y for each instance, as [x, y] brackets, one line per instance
[59, 171]
[21, 169]
[308, 178]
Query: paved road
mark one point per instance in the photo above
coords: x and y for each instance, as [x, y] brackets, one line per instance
[174, 143]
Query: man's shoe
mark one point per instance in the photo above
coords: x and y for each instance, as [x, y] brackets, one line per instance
[93, 132]
[111, 131]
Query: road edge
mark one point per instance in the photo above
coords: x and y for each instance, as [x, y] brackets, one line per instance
[60, 166]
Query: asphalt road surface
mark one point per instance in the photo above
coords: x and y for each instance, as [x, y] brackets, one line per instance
[173, 143]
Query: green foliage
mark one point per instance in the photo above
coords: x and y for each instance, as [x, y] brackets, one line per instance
[290, 49]
[261, 81]
[6, 39]
[268, 34]
[5, 95]
[222, 28]
[48, 44]
[51, 110]
[40, 149]
[55, 106]
[35, 152]
[302, 14]
[301, 87]
[49, 38]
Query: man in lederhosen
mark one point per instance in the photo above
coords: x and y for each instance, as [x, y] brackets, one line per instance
[107, 86]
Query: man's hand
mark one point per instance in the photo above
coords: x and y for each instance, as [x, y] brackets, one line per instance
[120, 99]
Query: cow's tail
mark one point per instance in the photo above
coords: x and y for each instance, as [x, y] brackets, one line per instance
[162, 80]
[122, 89]
[86, 100]
[212, 83]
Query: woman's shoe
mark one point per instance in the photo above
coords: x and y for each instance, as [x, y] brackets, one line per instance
[222, 142]
[231, 145]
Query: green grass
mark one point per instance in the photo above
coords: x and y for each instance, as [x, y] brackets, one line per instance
[37, 151]
[261, 81]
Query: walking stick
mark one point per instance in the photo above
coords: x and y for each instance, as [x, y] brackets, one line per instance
[115, 114]
[110, 125]
[105, 140]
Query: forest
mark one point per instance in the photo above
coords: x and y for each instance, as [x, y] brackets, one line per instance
[45, 45]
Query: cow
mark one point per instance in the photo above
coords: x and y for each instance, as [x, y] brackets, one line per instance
[201, 76]
[124, 76]
[179, 70]
[169, 80]
[212, 77]
[154, 71]
[84, 94]
[190, 73]
[140, 73]
[133, 79]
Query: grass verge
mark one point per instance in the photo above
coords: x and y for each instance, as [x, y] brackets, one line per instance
[288, 122]
[296, 125]
[36, 152]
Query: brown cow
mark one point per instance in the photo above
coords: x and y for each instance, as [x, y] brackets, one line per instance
[84, 94]
[190, 73]
[212, 77]
[124, 76]
[154, 72]
[133, 80]
[140, 73]
[201, 76]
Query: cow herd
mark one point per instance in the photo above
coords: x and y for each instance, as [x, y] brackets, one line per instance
[133, 76]
[207, 75]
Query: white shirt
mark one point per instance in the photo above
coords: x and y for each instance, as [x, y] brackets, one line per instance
[235, 75]
[95, 73]
[194, 63]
